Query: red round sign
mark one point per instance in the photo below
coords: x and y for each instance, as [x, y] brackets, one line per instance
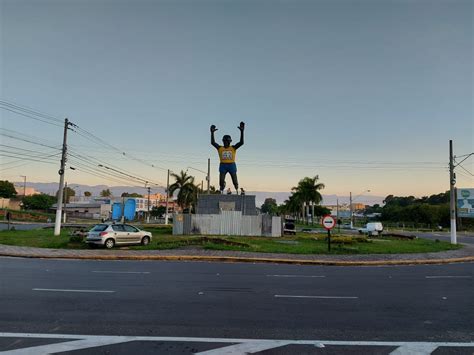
[328, 222]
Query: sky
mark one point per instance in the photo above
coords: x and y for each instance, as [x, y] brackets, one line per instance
[364, 93]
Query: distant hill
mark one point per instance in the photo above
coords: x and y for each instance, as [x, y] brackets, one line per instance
[51, 188]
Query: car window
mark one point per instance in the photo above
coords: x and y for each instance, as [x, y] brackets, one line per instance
[118, 228]
[99, 228]
[130, 229]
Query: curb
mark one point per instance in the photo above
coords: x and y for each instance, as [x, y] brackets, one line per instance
[231, 259]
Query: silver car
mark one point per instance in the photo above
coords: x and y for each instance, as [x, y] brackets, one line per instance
[111, 234]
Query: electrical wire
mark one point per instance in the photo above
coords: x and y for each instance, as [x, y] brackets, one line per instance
[30, 110]
[29, 116]
[90, 136]
[88, 159]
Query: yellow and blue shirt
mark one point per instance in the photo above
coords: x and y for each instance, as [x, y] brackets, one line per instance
[227, 155]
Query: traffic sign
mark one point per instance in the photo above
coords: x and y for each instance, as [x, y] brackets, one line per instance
[328, 222]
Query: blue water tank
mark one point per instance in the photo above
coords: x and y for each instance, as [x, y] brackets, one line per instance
[116, 211]
[130, 207]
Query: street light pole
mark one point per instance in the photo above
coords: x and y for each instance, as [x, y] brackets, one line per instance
[148, 216]
[24, 185]
[350, 209]
[167, 196]
[350, 205]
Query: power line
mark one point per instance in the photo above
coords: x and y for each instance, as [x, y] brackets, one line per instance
[27, 140]
[32, 158]
[87, 159]
[462, 167]
[29, 116]
[30, 110]
[90, 136]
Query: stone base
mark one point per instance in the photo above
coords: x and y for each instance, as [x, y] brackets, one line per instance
[214, 204]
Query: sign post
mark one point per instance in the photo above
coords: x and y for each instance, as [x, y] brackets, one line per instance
[328, 223]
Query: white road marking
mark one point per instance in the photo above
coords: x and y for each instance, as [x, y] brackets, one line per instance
[448, 277]
[322, 297]
[85, 341]
[67, 346]
[121, 272]
[246, 348]
[415, 349]
[318, 276]
[66, 290]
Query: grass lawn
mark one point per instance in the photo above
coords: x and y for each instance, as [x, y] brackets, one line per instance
[302, 243]
[40, 238]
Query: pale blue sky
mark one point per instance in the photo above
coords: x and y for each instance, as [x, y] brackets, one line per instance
[364, 93]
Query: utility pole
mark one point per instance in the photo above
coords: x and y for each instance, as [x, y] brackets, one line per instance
[148, 217]
[57, 223]
[337, 216]
[167, 196]
[452, 199]
[350, 208]
[65, 202]
[208, 176]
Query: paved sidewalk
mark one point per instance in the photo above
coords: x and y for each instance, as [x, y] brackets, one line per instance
[465, 254]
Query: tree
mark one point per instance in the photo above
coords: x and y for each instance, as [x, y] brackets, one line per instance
[134, 194]
[68, 193]
[308, 190]
[158, 211]
[87, 193]
[320, 211]
[38, 202]
[187, 191]
[270, 206]
[105, 193]
[7, 189]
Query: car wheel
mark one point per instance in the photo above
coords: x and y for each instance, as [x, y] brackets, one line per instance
[145, 240]
[109, 243]
[91, 245]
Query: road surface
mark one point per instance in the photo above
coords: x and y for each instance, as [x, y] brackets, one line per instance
[220, 303]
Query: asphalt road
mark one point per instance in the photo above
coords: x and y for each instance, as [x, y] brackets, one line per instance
[445, 236]
[233, 300]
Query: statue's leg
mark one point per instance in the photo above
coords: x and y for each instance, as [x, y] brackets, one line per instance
[235, 181]
[222, 181]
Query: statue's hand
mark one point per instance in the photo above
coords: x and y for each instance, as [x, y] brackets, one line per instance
[241, 126]
[213, 128]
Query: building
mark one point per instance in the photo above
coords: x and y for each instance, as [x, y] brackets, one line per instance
[22, 191]
[11, 204]
[90, 210]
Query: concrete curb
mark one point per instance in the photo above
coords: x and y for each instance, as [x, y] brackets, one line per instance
[248, 259]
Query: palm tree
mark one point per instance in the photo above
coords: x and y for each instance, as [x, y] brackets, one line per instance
[308, 190]
[187, 194]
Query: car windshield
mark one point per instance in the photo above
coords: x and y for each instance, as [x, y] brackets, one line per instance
[99, 228]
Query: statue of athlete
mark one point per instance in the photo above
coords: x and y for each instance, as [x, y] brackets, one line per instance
[227, 156]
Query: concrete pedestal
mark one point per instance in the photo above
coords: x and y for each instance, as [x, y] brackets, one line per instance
[214, 204]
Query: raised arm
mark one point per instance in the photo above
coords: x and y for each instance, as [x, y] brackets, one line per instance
[242, 128]
[213, 140]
